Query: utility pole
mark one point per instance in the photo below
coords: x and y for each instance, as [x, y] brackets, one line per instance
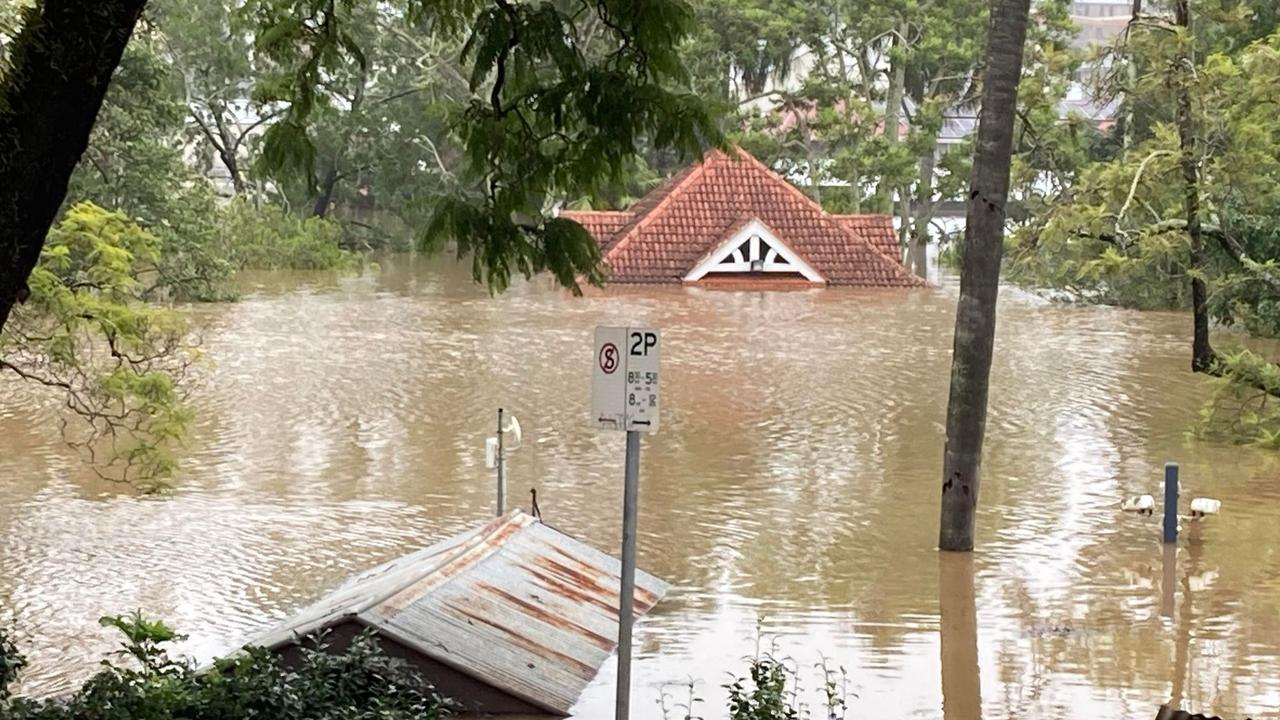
[502, 480]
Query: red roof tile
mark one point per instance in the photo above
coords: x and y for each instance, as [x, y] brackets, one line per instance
[679, 223]
[875, 229]
[600, 223]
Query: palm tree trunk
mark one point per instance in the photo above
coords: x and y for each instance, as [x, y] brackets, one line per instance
[980, 274]
[57, 76]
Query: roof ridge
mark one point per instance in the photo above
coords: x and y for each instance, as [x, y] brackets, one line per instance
[810, 202]
[471, 550]
[813, 204]
[625, 234]
[595, 212]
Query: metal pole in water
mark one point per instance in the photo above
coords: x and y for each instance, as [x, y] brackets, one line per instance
[626, 593]
[502, 482]
[1171, 502]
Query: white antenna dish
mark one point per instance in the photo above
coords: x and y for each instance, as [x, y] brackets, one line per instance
[513, 427]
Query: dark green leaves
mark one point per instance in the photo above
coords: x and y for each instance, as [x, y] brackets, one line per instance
[564, 96]
[358, 681]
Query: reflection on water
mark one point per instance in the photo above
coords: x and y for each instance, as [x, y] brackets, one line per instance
[794, 483]
[958, 617]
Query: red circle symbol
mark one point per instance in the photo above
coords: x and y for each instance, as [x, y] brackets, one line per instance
[608, 358]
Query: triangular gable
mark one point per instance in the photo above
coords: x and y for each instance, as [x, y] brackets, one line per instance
[751, 247]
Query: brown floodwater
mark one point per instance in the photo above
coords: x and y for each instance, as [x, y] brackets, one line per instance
[791, 497]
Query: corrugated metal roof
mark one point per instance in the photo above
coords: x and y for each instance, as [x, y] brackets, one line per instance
[515, 604]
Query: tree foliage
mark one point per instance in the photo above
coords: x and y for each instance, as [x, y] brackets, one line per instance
[1244, 404]
[1187, 202]
[551, 111]
[88, 332]
[270, 238]
[1116, 234]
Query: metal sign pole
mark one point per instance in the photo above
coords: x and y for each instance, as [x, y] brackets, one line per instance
[502, 482]
[626, 595]
[1171, 502]
[624, 396]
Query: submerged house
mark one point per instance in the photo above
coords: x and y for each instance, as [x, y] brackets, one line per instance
[512, 617]
[731, 221]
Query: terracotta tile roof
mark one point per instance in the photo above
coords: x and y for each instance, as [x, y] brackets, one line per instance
[600, 223]
[875, 229]
[679, 223]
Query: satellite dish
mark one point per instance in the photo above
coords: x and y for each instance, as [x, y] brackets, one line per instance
[513, 427]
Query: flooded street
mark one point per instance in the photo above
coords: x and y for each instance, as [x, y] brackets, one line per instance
[791, 496]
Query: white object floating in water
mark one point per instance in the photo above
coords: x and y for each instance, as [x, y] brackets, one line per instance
[1201, 507]
[1141, 504]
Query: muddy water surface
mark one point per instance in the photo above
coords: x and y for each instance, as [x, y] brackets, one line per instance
[790, 498]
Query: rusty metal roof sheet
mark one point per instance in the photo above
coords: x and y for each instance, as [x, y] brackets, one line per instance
[515, 604]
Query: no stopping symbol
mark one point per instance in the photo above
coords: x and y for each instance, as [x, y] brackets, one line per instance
[609, 358]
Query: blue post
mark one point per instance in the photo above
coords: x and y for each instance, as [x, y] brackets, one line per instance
[1171, 502]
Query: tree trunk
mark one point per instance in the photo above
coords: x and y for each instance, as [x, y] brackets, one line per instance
[327, 184]
[59, 68]
[227, 147]
[810, 158]
[919, 254]
[893, 106]
[1202, 355]
[980, 274]
[904, 215]
[1131, 74]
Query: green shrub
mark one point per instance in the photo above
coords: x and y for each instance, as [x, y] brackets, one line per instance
[270, 238]
[766, 696]
[359, 684]
[11, 663]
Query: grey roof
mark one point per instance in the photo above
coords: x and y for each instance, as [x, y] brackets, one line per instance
[515, 604]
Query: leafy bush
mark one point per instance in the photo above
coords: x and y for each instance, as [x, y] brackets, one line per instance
[772, 692]
[271, 238]
[359, 684]
[766, 696]
[11, 663]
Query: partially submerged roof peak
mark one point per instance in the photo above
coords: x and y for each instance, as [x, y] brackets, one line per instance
[510, 616]
[675, 226]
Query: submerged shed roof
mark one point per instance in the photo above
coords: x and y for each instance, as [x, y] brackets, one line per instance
[515, 604]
